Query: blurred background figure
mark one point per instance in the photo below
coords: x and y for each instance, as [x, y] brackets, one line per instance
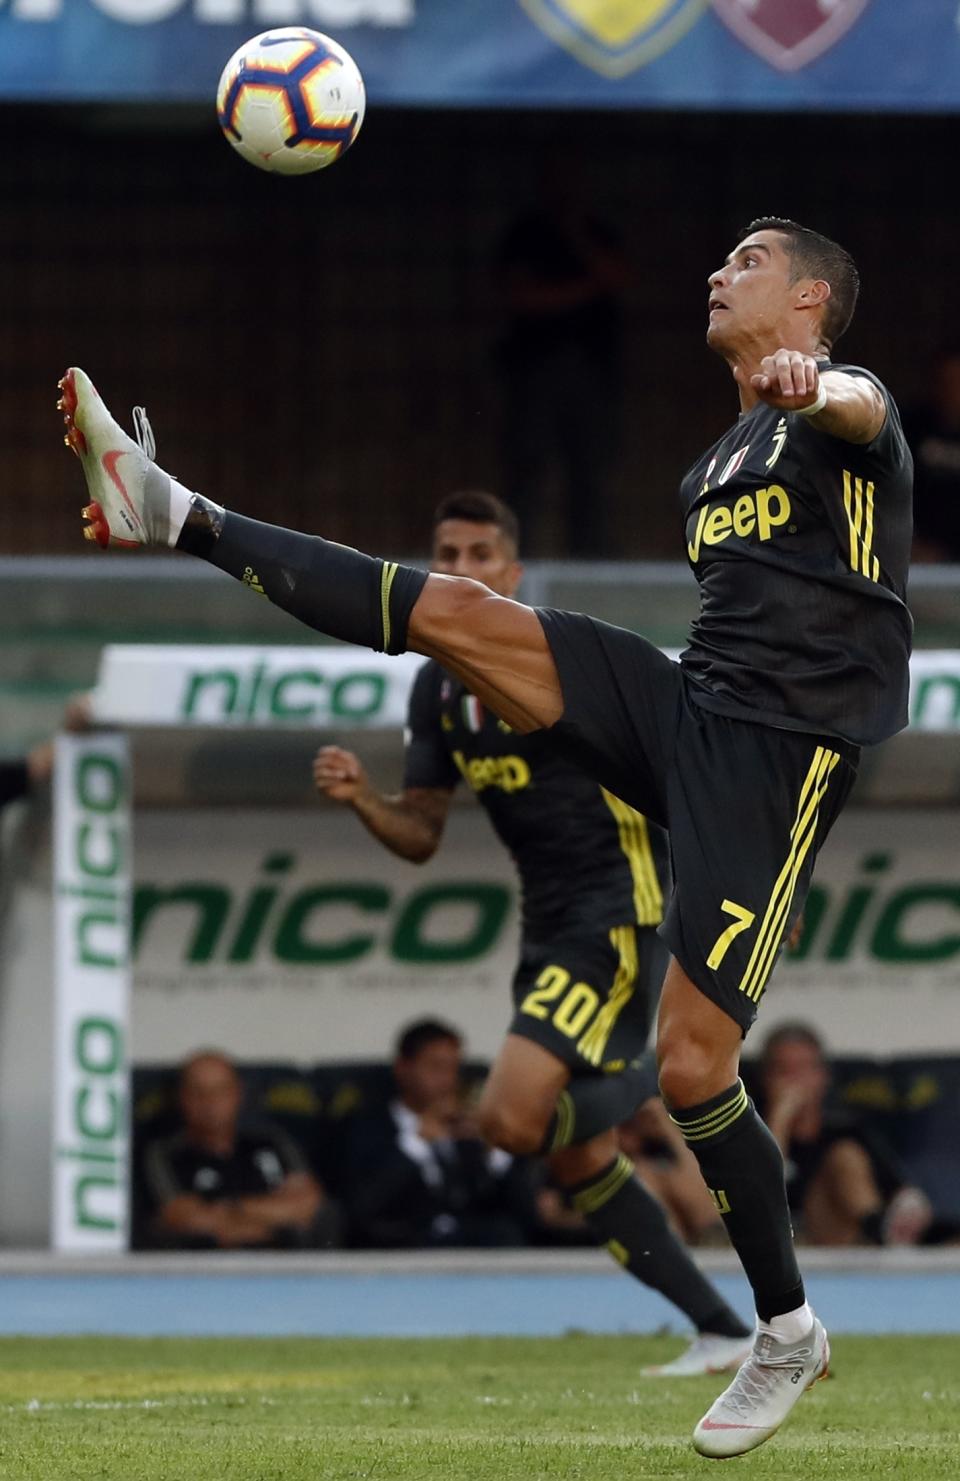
[844, 1185]
[417, 1173]
[19, 777]
[562, 274]
[219, 1184]
[933, 431]
[668, 1168]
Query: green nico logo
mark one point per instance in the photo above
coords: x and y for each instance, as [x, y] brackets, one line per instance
[329, 924]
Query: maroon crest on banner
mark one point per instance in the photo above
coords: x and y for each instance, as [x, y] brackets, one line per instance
[789, 33]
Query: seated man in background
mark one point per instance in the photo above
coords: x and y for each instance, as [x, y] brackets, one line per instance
[666, 1166]
[215, 1184]
[418, 1174]
[844, 1185]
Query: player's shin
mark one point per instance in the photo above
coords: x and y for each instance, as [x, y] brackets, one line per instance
[743, 1169]
[332, 588]
[633, 1227]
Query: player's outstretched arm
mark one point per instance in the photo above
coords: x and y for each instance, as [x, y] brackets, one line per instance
[846, 406]
[410, 824]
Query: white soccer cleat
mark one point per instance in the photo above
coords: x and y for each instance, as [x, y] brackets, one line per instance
[764, 1391]
[129, 495]
[707, 1353]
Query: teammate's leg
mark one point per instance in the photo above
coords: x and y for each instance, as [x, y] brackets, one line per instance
[496, 646]
[532, 1103]
[603, 1185]
[516, 1110]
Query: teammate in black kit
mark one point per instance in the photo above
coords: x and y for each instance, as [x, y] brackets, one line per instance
[593, 875]
[798, 528]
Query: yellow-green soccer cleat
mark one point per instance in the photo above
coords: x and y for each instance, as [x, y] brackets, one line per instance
[764, 1391]
[129, 495]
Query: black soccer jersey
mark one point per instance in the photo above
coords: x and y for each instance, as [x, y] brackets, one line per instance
[583, 856]
[801, 544]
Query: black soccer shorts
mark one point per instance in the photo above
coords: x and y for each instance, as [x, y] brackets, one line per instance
[588, 997]
[747, 806]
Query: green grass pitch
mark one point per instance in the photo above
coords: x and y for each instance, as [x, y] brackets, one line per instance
[464, 1410]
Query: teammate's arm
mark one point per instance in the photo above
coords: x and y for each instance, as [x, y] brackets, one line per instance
[410, 824]
[853, 408]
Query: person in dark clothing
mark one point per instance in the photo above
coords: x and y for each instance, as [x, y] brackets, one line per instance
[593, 878]
[19, 777]
[798, 524]
[418, 1174]
[562, 273]
[217, 1184]
[844, 1185]
[932, 429]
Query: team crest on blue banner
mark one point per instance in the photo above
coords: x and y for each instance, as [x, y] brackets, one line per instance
[615, 37]
[789, 33]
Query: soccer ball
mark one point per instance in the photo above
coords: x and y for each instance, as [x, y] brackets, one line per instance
[291, 101]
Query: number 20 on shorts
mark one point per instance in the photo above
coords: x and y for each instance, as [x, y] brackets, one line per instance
[576, 1005]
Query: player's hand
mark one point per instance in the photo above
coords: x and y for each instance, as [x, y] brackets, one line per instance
[788, 380]
[78, 713]
[786, 1101]
[338, 774]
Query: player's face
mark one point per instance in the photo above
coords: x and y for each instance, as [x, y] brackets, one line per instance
[480, 551]
[750, 296]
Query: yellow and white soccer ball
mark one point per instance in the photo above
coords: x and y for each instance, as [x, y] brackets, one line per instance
[291, 101]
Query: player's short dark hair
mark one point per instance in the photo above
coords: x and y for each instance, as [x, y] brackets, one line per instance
[790, 1033]
[479, 508]
[425, 1031]
[816, 256]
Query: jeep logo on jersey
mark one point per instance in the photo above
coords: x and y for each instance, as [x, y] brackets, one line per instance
[789, 33]
[761, 513]
[615, 36]
[509, 773]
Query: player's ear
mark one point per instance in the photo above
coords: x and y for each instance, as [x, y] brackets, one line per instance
[516, 574]
[812, 293]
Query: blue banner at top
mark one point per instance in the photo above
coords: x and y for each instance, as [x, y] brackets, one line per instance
[783, 54]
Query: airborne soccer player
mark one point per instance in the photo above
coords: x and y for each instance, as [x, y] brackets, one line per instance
[798, 530]
[591, 963]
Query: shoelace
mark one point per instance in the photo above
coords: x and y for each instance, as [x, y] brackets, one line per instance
[759, 1376]
[144, 432]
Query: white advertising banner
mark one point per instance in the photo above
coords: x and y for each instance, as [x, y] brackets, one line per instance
[277, 934]
[91, 995]
[285, 935]
[347, 688]
[339, 687]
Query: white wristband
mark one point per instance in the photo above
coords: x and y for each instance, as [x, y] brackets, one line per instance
[818, 405]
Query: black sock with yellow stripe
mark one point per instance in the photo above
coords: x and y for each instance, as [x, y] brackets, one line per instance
[634, 1228]
[743, 1169]
[337, 590]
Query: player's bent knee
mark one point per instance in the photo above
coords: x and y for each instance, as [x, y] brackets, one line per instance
[511, 1132]
[688, 1072]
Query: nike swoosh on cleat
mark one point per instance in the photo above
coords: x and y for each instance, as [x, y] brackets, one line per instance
[110, 461]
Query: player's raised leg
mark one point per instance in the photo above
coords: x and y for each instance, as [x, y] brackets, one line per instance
[497, 646]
